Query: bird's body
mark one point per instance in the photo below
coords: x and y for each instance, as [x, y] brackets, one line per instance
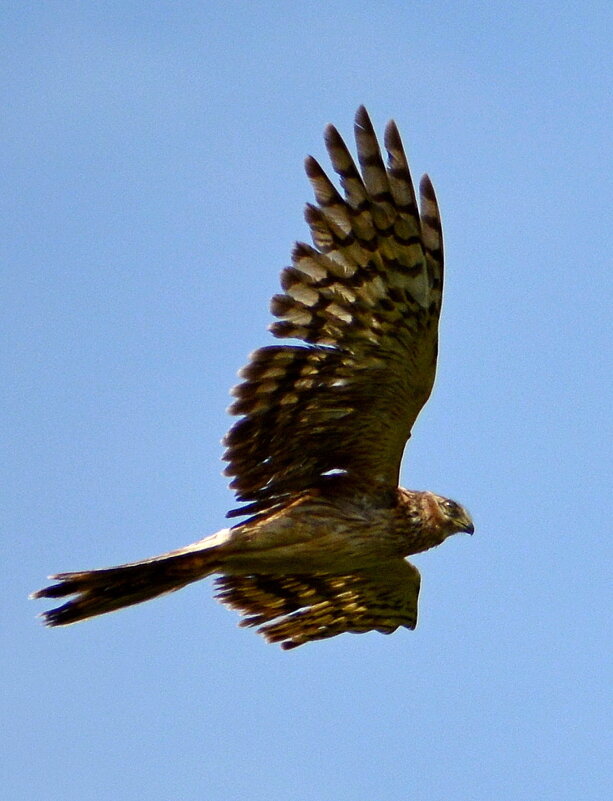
[328, 531]
[317, 451]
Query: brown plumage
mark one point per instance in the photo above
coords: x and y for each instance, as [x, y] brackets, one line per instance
[315, 455]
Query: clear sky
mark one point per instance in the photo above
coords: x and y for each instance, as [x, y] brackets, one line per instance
[152, 189]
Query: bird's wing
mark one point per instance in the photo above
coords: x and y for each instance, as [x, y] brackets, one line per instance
[293, 610]
[366, 299]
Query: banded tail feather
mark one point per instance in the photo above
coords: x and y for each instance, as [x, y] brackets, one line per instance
[108, 589]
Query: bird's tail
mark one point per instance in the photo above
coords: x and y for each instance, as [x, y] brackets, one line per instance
[100, 591]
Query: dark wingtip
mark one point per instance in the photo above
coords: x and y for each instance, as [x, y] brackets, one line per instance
[361, 114]
[312, 167]
[362, 120]
[332, 137]
[289, 645]
[391, 137]
[426, 189]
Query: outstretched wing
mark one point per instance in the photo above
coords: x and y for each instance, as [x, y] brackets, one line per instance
[366, 299]
[293, 610]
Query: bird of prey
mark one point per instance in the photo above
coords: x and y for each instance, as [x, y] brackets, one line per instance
[315, 454]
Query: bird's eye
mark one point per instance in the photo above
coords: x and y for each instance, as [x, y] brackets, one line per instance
[451, 507]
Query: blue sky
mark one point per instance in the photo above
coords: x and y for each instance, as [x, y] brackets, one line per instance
[153, 187]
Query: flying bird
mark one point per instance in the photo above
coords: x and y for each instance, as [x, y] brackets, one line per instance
[315, 454]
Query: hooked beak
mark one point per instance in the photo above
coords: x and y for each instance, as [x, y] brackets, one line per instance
[466, 522]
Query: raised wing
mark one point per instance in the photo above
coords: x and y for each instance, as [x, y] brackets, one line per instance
[293, 610]
[366, 298]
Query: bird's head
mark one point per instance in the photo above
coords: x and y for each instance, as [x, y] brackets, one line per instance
[451, 517]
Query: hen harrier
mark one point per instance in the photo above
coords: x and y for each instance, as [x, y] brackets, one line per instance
[316, 452]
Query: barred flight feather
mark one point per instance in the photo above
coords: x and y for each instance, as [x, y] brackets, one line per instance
[365, 299]
[293, 610]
